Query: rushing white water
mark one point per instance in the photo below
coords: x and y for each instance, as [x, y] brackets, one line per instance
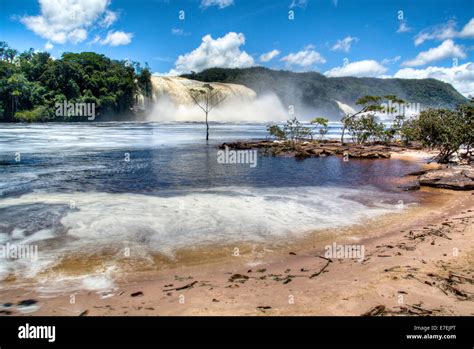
[172, 101]
[179, 90]
[184, 219]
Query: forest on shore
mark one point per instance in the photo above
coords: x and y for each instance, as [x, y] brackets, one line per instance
[33, 84]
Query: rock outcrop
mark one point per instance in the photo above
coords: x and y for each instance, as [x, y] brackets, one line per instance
[316, 149]
[454, 177]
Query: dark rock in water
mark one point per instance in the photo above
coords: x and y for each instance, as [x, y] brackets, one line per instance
[137, 294]
[412, 186]
[302, 154]
[27, 302]
[417, 173]
[368, 154]
[455, 178]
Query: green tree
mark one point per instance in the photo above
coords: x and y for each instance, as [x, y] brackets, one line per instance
[322, 123]
[276, 132]
[369, 105]
[296, 132]
[364, 128]
[445, 130]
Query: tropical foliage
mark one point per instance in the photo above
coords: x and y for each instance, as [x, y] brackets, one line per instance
[31, 83]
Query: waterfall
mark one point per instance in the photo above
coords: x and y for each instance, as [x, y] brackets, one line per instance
[172, 101]
[177, 90]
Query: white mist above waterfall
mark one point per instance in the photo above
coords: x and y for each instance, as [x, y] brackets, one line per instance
[172, 101]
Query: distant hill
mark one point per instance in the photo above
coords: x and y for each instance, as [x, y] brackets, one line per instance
[314, 92]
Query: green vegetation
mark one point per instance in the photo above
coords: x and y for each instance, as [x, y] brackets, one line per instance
[363, 125]
[276, 132]
[450, 132]
[293, 131]
[316, 91]
[31, 83]
[365, 128]
[296, 132]
[322, 123]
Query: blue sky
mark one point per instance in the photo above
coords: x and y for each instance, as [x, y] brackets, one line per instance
[335, 37]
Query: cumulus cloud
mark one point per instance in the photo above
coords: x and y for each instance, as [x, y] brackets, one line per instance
[219, 3]
[117, 38]
[222, 52]
[62, 21]
[447, 49]
[304, 58]
[445, 31]
[461, 77]
[266, 57]
[365, 68]
[69, 21]
[344, 44]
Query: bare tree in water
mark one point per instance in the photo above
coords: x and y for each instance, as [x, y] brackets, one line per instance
[206, 99]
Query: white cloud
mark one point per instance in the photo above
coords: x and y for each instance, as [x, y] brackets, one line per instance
[403, 27]
[447, 49]
[468, 30]
[77, 35]
[68, 21]
[344, 44]
[61, 21]
[461, 77]
[445, 31]
[48, 46]
[179, 32]
[365, 68]
[395, 59]
[304, 58]
[110, 18]
[266, 57]
[299, 3]
[221, 52]
[117, 38]
[219, 3]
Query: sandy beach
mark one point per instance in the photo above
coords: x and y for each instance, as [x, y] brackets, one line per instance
[416, 262]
